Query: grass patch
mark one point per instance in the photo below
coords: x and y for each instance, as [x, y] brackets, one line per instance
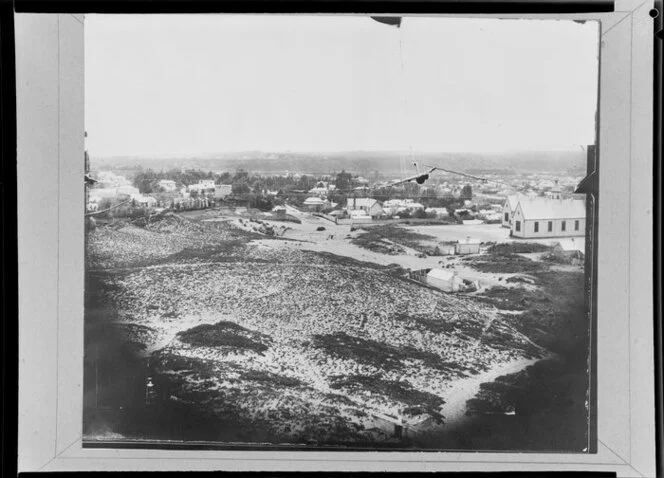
[387, 239]
[415, 400]
[273, 380]
[223, 334]
[554, 316]
[505, 263]
[378, 354]
[514, 298]
[518, 248]
[361, 350]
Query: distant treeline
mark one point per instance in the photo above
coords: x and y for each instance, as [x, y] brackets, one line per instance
[264, 192]
[147, 180]
[365, 163]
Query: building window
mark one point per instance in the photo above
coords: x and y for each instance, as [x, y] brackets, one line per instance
[507, 217]
[536, 226]
[563, 226]
[550, 226]
[576, 225]
[518, 226]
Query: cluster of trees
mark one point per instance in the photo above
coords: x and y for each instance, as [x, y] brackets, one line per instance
[252, 188]
[146, 180]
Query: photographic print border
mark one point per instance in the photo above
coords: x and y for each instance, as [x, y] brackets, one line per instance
[63, 260]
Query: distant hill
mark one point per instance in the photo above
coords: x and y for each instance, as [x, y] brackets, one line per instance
[360, 162]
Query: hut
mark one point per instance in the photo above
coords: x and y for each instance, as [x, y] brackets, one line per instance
[447, 248]
[468, 245]
[549, 218]
[569, 249]
[445, 280]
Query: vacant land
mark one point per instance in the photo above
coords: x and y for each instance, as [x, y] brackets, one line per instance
[387, 239]
[287, 345]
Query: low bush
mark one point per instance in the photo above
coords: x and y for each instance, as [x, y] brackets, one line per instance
[222, 334]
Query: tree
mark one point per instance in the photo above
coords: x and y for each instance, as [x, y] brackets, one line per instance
[261, 202]
[224, 178]
[467, 192]
[240, 188]
[145, 181]
[306, 182]
[419, 214]
[343, 181]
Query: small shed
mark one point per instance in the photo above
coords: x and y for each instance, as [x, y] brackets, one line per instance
[314, 203]
[338, 213]
[222, 190]
[443, 279]
[569, 249]
[447, 248]
[468, 245]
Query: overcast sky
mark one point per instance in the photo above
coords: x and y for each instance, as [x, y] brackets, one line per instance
[192, 84]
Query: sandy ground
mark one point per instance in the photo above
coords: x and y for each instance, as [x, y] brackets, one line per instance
[335, 239]
[462, 390]
[483, 232]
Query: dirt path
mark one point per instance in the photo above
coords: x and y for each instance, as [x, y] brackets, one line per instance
[462, 390]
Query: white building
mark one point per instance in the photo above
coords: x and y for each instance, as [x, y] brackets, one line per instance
[358, 214]
[468, 245]
[167, 185]
[144, 201]
[314, 203]
[555, 192]
[206, 183]
[542, 217]
[447, 248]
[222, 190]
[203, 185]
[509, 206]
[370, 206]
[569, 248]
[279, 210]
[444, 279]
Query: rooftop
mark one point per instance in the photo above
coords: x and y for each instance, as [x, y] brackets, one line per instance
[544, 208]
[442, 274]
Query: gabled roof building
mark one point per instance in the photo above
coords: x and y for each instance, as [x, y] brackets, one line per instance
[541, 217]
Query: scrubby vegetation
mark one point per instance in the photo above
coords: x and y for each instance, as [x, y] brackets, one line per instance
[272, 379]
[507, 263]
[416, 401]
[223, 334]
[553, 316]
[518, 248]
[386, 239]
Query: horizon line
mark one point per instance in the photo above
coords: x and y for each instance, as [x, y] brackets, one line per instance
[578, 148]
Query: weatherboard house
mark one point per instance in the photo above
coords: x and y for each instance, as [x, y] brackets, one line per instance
[541, 217]
[509, 206]
[569, 248]
[444, 279]
[314, 203]
[469, 245]
[370, 206]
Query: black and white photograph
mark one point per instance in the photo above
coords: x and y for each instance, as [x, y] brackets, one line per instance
[339, 232]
